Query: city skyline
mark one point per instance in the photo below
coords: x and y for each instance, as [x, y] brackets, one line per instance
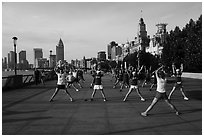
[86, 28]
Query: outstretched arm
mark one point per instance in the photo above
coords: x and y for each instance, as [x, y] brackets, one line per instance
[173, 68]
[156, 72]
[181, 68]
[140, 69]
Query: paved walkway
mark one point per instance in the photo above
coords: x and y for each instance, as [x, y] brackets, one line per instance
[27, 111]
[192, 75]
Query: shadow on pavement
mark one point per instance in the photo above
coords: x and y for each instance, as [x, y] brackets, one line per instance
[24, 119]
[195, 94]
[8, 112]
[24, 99]
[150, 127]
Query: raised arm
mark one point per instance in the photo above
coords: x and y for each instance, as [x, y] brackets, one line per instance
[140, 69]
[156, 72]
[181, 68]
[173, 68]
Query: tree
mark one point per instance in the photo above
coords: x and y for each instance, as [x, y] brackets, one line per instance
[185, 47]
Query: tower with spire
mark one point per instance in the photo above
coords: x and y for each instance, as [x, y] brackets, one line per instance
[141, 40]
[60, 51]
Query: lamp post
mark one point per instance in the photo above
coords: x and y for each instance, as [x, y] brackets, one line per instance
[138, 59]
[15, 63]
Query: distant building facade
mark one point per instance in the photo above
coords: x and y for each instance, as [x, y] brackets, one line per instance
[4, 63]
[52, 60]
[37, 55]
[158, 39]
[141, 41]
[22, 55]
[114, 50]
[42, 63]
[101, 56]
[60, 51]
[23, 63]
[11, 60]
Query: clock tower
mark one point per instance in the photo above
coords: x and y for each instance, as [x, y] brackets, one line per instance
[142, 40]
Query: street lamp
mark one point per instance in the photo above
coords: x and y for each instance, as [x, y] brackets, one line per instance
[138, 59]
[15, 64]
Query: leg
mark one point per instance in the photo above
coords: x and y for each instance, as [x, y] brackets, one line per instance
[74, 87]
[79, 84]
[94, 92]
[143, 83]
[42, 81]
[139, 94]
[103, 94]
[36, 81]
[174, 88]
[182, 92]
[55, 93]
[121, 87]
[151, 87]
[116, 83]
[155, 100]
[71, 99]
[172, 106]
[130, 90]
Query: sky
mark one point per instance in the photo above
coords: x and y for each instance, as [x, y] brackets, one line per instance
[86, 27]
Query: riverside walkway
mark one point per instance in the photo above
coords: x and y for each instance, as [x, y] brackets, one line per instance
[27, 111]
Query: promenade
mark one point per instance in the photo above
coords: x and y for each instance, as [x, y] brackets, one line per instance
[27, 111]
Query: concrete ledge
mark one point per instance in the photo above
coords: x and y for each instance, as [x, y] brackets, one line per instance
[192, 75]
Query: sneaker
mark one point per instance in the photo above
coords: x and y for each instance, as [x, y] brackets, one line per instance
[185, 98]
[143, 114]
[124, 100]
[150, 89]
[72, 100]
[113, 86]
[50, 100]
[120, 90]
[178, 113]
[77, 90]
[104, 100]
[91, 99]
[142, 99]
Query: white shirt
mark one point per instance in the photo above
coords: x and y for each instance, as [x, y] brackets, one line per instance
[74, 74]
[61, 79]
[161, 85]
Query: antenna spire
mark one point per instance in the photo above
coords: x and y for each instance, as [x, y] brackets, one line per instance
[141, 13]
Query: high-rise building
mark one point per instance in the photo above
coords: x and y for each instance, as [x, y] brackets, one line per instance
[4, 63]
[11, 59]
[37, 54]
[101, 56]
[60, 51]
[52, 61]
[84, 64]
[115, 52]
[109, 50]
[8, 61]
[23, 63]
[42, 63]
[22, 55]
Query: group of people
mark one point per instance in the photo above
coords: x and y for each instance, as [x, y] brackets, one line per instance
[128, 78]
[39, 76]
[66, 79]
